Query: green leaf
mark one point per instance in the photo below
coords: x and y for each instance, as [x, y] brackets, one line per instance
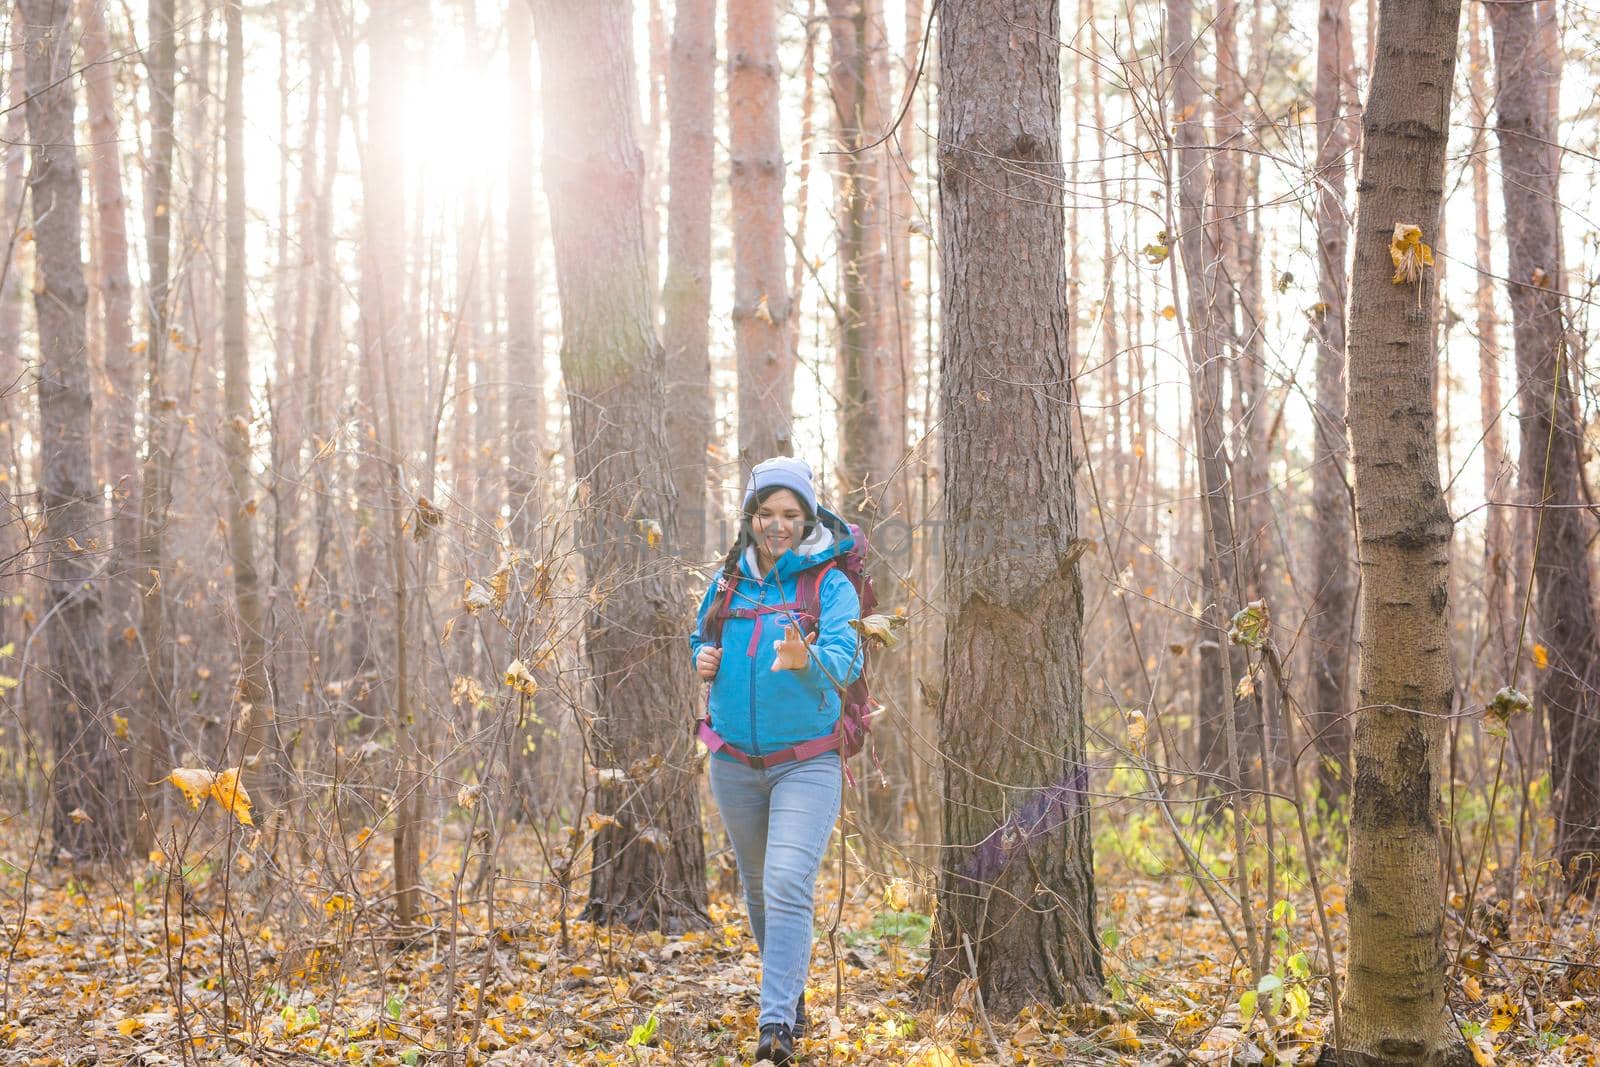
[1269, 983]
[1299, 1001]
[394, 1006]
[1247, 1005]
[410, 1057]
[1299, 966]
[645, 1032]
[1110, 938]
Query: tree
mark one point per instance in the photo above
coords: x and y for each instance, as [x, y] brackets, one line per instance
[1016, 889]
[1333, 578]
[1394, 1005]
[761, 304]
[691, 96]
[649, 862]
[1201, 255]
[255, 691]
[90, 777]
[524, 388]
[1527, 66]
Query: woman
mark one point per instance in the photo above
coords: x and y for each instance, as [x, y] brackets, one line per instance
[774, 706]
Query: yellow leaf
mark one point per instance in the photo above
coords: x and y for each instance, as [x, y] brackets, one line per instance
[1408, 252]
[1505, 1013]
[1541, 657]
[194, 783]
[130, 1026]
[1472, 988]
[1169, 312]
[228, 791]
[518, 677]
[120, 722]
[1137, 728]
[1482, 1052]
[336, 904]
[600, 822]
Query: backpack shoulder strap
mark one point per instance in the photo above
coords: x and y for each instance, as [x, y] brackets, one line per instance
[720, 609]
[808, 590]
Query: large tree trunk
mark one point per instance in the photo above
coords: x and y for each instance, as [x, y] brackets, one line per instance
[761, 304]
[254, 693]
[1017, 884]
[90, 778]
[1200, 253]
[1526, 66]
[1333, 581]
[691, 97]
[649, 868]
[1394, 1006]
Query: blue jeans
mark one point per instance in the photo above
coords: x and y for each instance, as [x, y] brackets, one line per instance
[780, 820]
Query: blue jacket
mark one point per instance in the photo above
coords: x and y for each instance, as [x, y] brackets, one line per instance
[754, 708]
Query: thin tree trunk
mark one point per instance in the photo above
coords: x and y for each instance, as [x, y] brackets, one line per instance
[1016, 887]
[254, 693]
[691, 99]
[1394, 1005]
[860, 259]
[649, 865]
[89, 781]
[1333, 576]
[1551, 431]
[523, 388]
[1499, 607]
[155, 498]
[115, 292]
[761, 304]
[1201, 260]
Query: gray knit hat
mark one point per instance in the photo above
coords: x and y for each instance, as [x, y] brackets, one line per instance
[787, 472]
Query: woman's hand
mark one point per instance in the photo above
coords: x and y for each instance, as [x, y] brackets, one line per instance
[707, 662]
[793, 655]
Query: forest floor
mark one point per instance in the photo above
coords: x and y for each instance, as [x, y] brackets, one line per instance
[247, 962]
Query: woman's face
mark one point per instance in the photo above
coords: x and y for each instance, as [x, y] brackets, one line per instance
[779, 523]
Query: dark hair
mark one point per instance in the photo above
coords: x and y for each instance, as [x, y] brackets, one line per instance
[747, 536]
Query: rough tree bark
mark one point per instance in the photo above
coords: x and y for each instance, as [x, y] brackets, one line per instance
[1394, 1004]
[1333, 578]
[1526, 64]
[761, 304]
[691, 98]
[1017, 887]
[90, 779]
[649, 867]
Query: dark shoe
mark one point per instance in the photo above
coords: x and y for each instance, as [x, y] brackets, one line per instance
[798, 1030]
[776, 1044]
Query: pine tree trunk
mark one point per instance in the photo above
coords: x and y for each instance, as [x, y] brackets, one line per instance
[1017, 886]
[1551, 431]
[1333, 576]
[691, 99]
[1394, 1005]
[649, 868]
[761, 304]
[89, 782]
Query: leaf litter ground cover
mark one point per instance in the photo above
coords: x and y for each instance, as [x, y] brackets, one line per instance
[218, 960]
